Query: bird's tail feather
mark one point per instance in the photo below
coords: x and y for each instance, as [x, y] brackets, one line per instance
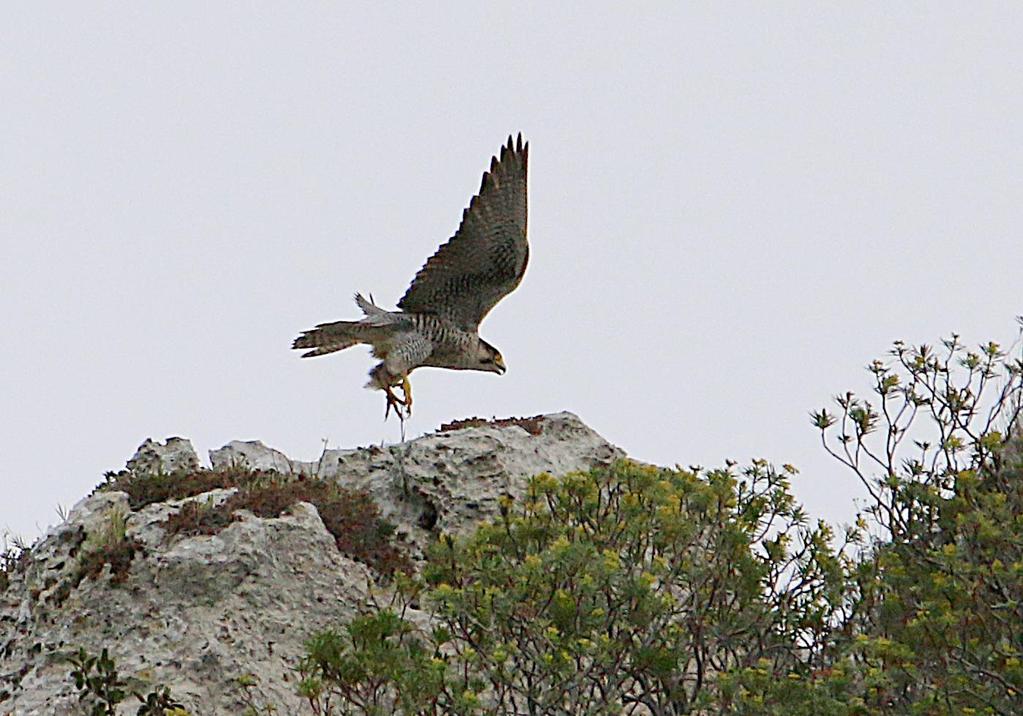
[375, 316]
[336, 336]
[331, 337]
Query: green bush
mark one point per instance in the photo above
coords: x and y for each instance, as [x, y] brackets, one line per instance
[938, 619]
[101, 688]
[619, 587]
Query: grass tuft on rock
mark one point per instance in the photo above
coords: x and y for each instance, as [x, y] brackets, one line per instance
[149, 489]
[351, 516]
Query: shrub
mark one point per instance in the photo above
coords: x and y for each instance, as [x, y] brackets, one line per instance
[101, 688]
[610, 589]
[938, 618]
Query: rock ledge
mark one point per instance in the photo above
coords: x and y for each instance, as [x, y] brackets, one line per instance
[199, 613]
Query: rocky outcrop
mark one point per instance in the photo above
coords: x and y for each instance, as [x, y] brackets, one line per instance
[210, 615]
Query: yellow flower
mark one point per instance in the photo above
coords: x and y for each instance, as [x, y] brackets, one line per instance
[560, 545]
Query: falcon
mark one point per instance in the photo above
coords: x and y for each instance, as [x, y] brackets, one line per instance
[438, 320]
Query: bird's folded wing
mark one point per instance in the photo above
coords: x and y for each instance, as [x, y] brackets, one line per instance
[486, 258]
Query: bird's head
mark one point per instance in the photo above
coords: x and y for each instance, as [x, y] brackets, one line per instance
[489, 359]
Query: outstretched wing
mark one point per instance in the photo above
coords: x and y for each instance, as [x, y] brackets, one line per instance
[486, 258]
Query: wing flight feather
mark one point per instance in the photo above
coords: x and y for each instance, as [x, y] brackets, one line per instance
[486, 258]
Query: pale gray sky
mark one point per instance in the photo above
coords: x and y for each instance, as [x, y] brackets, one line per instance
[733, 209]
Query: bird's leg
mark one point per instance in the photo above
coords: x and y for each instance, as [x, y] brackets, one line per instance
[406, 388]
[393, 402]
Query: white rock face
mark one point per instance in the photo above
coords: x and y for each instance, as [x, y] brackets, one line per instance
[176, 454]
[198, 613]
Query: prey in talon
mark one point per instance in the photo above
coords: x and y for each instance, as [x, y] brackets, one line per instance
[393, 401]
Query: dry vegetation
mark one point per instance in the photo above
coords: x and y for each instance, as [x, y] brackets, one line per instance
[533, 425]
[351, 517]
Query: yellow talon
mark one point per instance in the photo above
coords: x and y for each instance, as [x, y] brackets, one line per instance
[406, 388]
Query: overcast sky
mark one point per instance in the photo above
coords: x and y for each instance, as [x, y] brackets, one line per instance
[732, 210]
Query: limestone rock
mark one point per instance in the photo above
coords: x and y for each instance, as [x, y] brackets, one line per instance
[152, 457]
[199, 613]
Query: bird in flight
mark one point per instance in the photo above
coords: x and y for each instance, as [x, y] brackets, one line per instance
[438, 319]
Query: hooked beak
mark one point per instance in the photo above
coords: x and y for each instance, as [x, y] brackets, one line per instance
[499, 362]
